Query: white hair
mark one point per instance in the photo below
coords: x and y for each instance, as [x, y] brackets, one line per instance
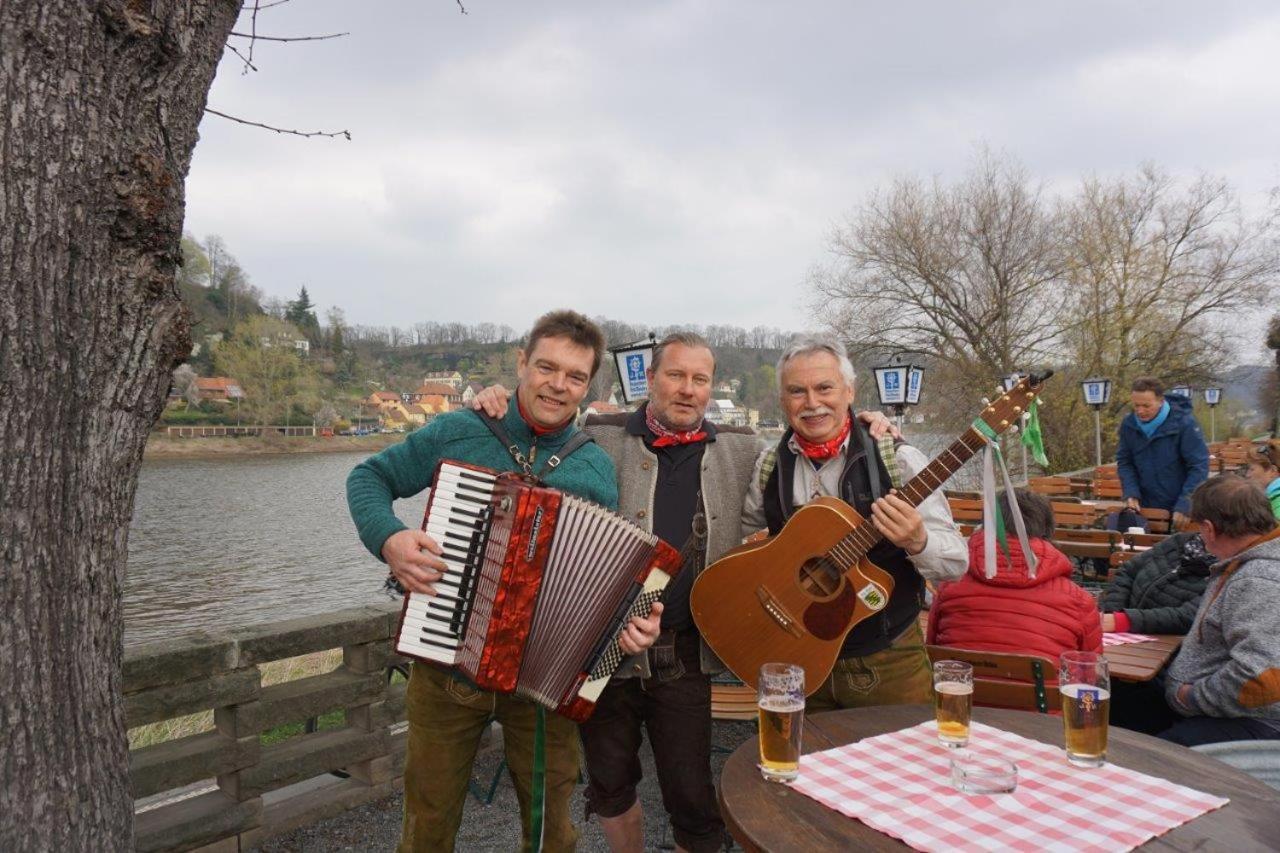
[811, 344]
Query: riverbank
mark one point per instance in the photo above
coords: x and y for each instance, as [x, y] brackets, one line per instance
[164, 447]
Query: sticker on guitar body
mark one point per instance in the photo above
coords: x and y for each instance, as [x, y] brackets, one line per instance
[872, 596]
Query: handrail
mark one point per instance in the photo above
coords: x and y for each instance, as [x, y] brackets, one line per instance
[231, 769]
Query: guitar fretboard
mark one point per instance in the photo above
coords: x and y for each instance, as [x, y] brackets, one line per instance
[854, 546]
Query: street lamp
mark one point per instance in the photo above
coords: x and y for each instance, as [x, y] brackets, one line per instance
[1212, 397]
[898, 386]
[1181, 391]
[632, 361]
[1097, 392]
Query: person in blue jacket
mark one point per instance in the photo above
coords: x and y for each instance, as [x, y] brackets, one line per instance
[1162, 456]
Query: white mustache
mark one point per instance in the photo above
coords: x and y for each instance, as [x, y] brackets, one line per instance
[817, 412]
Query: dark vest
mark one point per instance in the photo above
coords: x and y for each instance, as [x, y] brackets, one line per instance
[865, 478]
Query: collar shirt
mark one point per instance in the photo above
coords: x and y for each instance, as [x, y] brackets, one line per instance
[945, 555]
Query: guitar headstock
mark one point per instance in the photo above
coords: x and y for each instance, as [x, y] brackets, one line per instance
[1005, 411]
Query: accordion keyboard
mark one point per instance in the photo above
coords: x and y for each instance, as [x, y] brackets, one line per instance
[458, 521]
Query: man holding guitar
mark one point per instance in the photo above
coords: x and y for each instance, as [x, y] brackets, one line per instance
[828, 452]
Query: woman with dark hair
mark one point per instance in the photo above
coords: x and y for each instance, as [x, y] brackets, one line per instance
[1017, 609]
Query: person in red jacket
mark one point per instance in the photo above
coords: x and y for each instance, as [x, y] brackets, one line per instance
[1017, 611]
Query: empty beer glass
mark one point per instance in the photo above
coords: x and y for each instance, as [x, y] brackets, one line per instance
[781, 705]
[1085, 685]
[953, 700]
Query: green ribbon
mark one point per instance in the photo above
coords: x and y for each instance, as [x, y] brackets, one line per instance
[538, 794]
[1032, 437]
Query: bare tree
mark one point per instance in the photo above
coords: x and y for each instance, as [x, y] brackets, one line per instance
[964, 272]
[1154, 267]
[101, 102]
[184, 382]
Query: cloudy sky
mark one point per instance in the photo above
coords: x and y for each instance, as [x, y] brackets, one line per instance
[683, 161]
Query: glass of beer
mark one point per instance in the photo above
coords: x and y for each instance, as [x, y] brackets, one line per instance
[1085, 685]
[781, 704]
[953, 701]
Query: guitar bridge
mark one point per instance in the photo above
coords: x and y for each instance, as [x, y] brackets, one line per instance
[777, 612]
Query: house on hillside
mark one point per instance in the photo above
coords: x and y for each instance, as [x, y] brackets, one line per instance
[382, 399]
[436, 404]
[469, 393]
[725, 411]
[219, 389]
[432, 389]
[448, 377]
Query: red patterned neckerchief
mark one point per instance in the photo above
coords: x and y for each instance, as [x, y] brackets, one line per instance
[668, 437]
[821, 451]
[534, 428]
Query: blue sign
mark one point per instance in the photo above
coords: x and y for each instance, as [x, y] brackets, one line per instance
[891, 381]
[635, 367]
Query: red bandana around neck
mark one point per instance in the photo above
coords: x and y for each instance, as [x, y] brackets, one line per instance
[821, 451]
[668, 437]
[533, 427]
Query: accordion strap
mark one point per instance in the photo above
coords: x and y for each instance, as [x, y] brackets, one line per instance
[499, 431]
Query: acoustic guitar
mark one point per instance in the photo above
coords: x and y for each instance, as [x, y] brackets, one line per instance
[793, 598]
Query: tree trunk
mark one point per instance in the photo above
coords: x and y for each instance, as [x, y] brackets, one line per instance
[99, 105]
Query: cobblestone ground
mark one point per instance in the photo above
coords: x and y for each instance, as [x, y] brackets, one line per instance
[376, 826]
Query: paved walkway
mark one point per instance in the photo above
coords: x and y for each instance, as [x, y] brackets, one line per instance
[376, 827]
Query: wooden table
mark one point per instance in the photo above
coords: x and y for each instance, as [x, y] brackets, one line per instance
[1141, 661]
[767, 816]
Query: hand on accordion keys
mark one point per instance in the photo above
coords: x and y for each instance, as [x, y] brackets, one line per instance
[413, 558]
[640, 634]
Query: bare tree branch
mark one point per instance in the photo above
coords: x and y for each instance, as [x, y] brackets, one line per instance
[291, 38]
[343, 133]
[247, 60]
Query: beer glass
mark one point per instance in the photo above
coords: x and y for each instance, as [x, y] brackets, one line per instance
[781, 705]
[1085, 685]
[953, 701]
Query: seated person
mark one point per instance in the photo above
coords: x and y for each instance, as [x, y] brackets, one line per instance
[1224, 683]
[1158, 591]
[1264, 469]
[1015, 612]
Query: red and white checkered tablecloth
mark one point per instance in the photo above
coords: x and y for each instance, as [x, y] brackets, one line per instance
[899, 783]
[1119, 638]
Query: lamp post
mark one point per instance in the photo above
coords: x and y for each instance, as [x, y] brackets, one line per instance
[632, 361]
[898, 386]
[1181, 391]
[1097, 392]
[1212, 397]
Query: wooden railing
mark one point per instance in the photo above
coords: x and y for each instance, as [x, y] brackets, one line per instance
[224, 786]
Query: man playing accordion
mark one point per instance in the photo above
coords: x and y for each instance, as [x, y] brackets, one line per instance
[447, 713]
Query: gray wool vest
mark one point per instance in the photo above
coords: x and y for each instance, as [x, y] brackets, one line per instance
[727, 466]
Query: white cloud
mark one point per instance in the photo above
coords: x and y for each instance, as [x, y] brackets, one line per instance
[684, 160]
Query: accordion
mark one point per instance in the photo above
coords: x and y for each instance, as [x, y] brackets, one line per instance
[538, 586]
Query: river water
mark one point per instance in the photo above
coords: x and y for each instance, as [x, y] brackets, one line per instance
[228, 541]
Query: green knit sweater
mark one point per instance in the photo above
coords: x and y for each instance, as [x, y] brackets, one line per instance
[405, 469]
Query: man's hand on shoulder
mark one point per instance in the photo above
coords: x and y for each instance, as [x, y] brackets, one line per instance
[413, 558]
[640, 634]
[878, 425]
[492, 401]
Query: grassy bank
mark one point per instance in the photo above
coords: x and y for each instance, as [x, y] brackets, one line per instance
[162, 446]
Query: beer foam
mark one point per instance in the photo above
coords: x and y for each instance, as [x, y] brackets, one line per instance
[780, 704]
[953, 688]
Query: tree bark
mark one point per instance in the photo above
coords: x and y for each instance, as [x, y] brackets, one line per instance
[99, 105]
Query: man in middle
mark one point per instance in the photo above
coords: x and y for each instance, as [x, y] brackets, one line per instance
[684, 478]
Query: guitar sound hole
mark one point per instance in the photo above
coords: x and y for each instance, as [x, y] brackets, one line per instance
[820, 577]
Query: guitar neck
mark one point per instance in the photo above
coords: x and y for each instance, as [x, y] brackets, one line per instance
[864, 537]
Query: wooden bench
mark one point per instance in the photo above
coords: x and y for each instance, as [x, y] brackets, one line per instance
[1024, 682]
[1052, 486]
[966, 509]
[1074, 514]
[732, 701]
[1098, 544]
